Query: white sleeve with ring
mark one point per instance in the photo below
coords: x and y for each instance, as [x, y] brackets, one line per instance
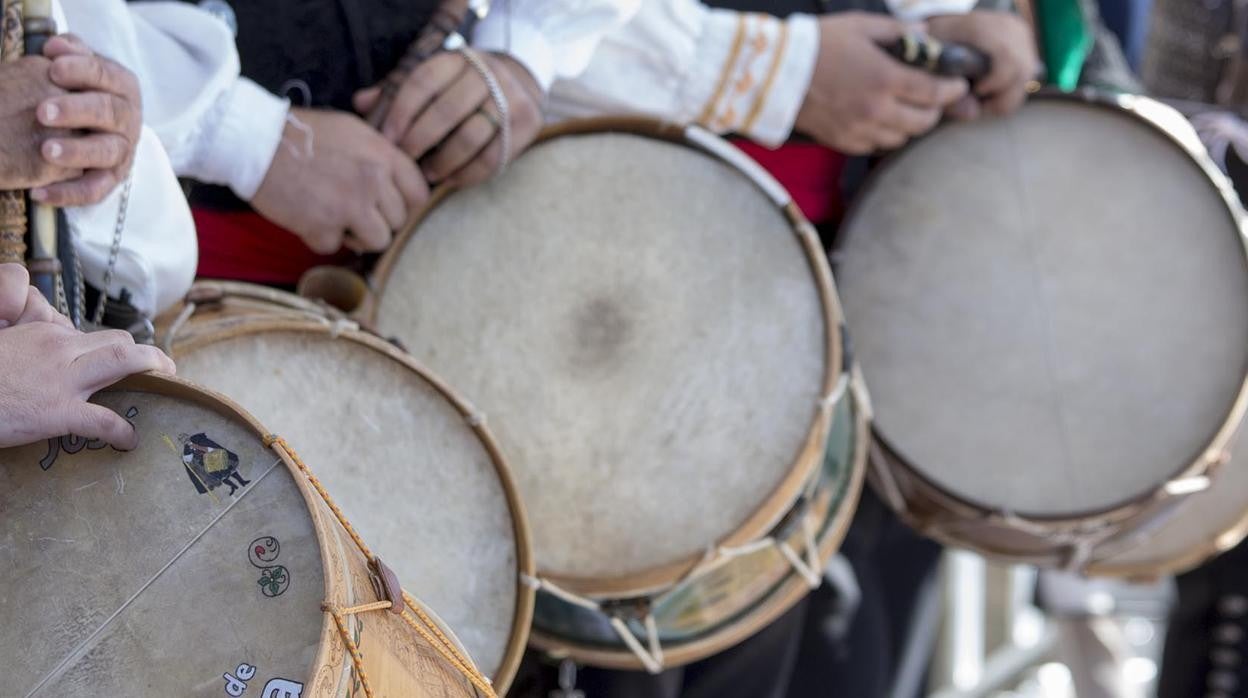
[682, 61]
[217, 127]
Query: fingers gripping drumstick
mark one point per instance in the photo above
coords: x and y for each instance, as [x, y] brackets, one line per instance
[453, 17]
[952, 60]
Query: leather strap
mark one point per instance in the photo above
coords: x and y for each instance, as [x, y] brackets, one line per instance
[390, 589]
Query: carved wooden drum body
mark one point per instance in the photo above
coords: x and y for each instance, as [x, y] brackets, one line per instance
[1052, 315]
[204, 563]
[406, 458]
[651, 329]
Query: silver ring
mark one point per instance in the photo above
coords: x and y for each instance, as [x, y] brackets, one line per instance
[454, 41]
[500, 104]
[490, 118]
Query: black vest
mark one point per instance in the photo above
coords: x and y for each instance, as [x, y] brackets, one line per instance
[784, 8]
[317, 53]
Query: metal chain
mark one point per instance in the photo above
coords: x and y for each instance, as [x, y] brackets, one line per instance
[62, 301]
[80, 288]
[123, 206]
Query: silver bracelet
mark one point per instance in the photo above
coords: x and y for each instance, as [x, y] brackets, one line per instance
[500, 103]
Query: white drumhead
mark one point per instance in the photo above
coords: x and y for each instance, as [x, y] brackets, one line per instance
[157, 571]
[643, 329]
[1051, 309]
[411, 475]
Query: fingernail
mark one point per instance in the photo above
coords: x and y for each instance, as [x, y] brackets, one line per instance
[51, 112]
[55, 149]
[39, 194]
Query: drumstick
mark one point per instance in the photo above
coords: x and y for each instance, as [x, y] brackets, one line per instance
[953, 60]
[451, 17]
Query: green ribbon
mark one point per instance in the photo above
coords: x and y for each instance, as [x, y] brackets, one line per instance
[1065, 39]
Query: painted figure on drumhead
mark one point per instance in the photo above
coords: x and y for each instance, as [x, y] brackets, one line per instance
[210, 464]
[274, 579]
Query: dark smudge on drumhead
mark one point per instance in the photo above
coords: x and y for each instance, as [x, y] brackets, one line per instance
[601, 329]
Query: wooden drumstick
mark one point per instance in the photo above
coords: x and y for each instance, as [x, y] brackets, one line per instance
[451, 17]
[28, 230]
[42, 258]
[12, 203]
[953, 60]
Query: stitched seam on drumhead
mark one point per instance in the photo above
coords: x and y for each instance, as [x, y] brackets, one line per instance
[86, 644]
[1046, 316]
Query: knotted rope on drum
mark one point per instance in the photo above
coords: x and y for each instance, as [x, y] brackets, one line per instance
[412, 613]
[651, 657]
[1084, 540]
[805, 563]
[337, 322]
[809, 568]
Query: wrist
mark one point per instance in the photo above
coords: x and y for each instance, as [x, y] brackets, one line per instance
[524, 77]
[520, 41]
[249, 127]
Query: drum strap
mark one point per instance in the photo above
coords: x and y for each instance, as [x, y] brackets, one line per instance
[411, 611]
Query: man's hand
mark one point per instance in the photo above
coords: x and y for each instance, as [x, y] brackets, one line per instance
[104, 109]
[24, 85]
[861, 99]
[1008, 41]
[336, 182]
[21, 303]
[50, 370]
[443, 116]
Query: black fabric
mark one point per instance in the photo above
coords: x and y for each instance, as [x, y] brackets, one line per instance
[891, 563]
[334, 46]
[318, 53]
[784, 8]
[1237, 170]
[757, 668]
[1207, 640]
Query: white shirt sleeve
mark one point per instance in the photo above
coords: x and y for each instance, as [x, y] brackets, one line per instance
[217, 126]
[158, 254]
[682, 61]
[915, 10]
[157, 257]
[552, 38]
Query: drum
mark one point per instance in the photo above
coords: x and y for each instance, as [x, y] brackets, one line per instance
[651, 328]
[207, 562]
[408, 460]
[1052, 315]
[1198, 528]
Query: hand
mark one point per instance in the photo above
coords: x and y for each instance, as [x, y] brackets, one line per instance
[21, 303]
[860, 98]
[24, 85]
[50, 370]
[1008, 41]
[106, 112]
[339, 183]
[435, 119]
